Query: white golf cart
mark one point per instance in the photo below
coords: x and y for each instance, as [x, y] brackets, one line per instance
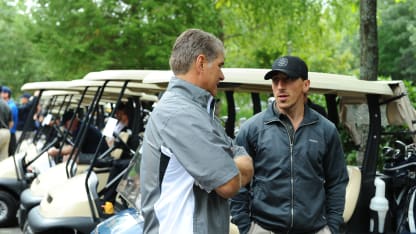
[365, 108]
[61, 210]
[14, 176]
[71, 94]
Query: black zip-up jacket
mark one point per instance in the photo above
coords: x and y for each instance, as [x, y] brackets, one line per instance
[299, 183]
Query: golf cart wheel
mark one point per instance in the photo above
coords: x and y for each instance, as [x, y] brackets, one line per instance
[8, 209]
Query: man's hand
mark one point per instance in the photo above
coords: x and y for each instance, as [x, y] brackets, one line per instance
[245, 165]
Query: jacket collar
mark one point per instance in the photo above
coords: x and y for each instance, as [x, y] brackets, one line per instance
[272, 114]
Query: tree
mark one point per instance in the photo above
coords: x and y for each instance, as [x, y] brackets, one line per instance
[80, 36]
[397, 39]
[70, 38]
[317, 31]
[17, 59]
[368, 40]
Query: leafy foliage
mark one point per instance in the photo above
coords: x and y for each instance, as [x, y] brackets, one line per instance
[18, 62]
[60, 40]
[79, 36]
[312, 30]
[63, 40]
[397, 39]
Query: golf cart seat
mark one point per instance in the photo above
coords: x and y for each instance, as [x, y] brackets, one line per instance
[352, 191]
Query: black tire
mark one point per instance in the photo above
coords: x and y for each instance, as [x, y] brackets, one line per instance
[28, 230]
[8, 209]
[60, 231]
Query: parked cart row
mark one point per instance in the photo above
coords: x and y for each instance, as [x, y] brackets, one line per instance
[65, 194]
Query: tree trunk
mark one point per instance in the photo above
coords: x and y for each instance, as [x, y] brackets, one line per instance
[368, 40]
[360, 222]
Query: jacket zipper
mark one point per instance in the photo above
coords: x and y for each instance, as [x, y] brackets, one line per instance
[291, 182]
[291, 142]
[291, 174]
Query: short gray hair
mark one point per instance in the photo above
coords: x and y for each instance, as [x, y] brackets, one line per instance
[189, 45]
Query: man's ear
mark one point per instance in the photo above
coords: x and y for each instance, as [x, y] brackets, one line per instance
[306, 85]
[200, 60]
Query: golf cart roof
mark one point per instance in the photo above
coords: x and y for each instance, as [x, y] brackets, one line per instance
[50, 93]
[71, 85]
[118, 77]
[112, 87]
[251, 80]
[45, 85]
[351, 89]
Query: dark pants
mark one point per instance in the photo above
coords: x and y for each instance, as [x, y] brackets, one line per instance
[117, 167]
[12, 144]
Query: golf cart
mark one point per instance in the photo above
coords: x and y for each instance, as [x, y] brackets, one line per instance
[70, 94]
[80, 212]
[365, 108]
[14, 176]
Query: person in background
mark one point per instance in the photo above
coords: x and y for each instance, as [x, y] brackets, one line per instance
[300, 171]
[24, 108]
[5, 124]
[6, 94]
[189, 166]
[120, 156]
[87, 146]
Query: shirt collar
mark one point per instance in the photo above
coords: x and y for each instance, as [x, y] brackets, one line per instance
[193, 92]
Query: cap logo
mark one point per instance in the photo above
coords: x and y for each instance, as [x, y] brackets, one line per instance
[282, 62]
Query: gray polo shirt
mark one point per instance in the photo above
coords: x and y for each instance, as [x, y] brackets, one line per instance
[186, 155]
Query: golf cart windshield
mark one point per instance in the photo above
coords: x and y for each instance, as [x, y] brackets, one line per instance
[129, 186]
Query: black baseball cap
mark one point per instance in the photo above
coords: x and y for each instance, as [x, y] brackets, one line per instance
[294, 67]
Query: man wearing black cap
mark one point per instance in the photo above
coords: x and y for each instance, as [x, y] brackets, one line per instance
[24, 109]
[300, 172]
